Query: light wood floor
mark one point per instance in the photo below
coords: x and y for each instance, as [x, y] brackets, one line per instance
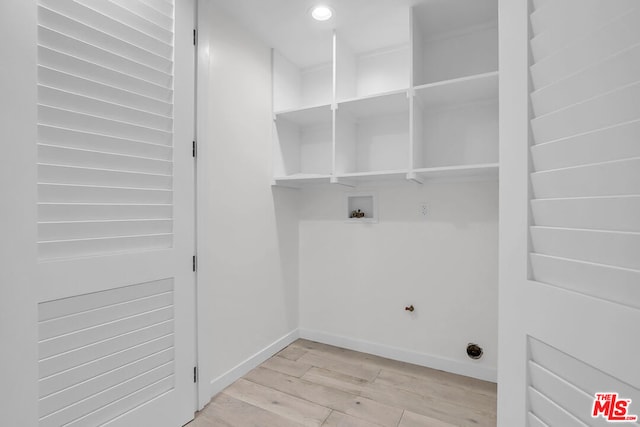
[313, 384]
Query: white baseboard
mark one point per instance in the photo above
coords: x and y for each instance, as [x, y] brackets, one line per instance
[223, 381]
[468, 369]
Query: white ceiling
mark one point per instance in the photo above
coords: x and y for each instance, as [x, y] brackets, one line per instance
[363, 24]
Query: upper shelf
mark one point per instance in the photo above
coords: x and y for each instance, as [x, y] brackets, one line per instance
[485, 171]
[355, 178]
[300, 88]
[306, 116]
[464, 90]
[476, 172]
[376, 105]
[453, 39]
[438, 19]
[362, 74]
[300, 180]
[418, 107]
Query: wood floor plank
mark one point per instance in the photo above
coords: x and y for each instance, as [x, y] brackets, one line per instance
[287, 366]
[228, 411]
[292, 352]
[438, 390]
[468, 383]
[304, 344]
[216, 421]
[335, 380]
[456, 414]
[377, 362]
[344, 355]
[315, 393]
[357, 370]
[351, 356]
[370, 410]
[202, 421]
[338, 419]
[332, 398]
[277, 402]
[411, 419]
[313, 345]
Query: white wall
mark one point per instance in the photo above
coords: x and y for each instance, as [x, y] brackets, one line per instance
[18, 311]
[356, 279]
[247, 231]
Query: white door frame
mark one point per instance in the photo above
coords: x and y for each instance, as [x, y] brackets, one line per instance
[18, 311]
[514, 196]
[204, 392]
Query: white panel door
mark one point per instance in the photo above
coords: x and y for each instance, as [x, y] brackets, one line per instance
[112, 226]
[570, 213]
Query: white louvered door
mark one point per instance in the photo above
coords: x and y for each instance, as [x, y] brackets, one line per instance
[570, 210]
[115, 287]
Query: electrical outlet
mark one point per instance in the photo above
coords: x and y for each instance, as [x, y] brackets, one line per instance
[423, 209]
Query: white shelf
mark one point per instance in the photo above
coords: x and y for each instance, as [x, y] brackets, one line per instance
[454, 38]
[389, 173]
[297, 87]
[307, 116]
[460, 91]
[378, 176]
[485, 171]
[300, 180]
[364, 71]
[304, 142]
[455, 122]
[423, 108]
[475, 172]
[373, 134]
[395, 102]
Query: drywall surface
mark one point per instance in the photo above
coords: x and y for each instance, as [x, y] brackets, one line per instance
[18, 278]
[247, 232]
[357, 279]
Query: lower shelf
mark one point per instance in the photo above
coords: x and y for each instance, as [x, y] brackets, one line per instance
[475, 172]
[352, 179]
[483, 171]
[301, 180]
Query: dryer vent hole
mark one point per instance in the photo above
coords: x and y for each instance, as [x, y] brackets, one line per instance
[474, 351]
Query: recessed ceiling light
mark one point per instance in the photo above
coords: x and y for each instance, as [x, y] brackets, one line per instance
[321, 13]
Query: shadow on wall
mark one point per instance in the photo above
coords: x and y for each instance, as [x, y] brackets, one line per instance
[285, 205]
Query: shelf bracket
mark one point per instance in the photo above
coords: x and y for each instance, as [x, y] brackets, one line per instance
[336, 180]
[412, 176]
